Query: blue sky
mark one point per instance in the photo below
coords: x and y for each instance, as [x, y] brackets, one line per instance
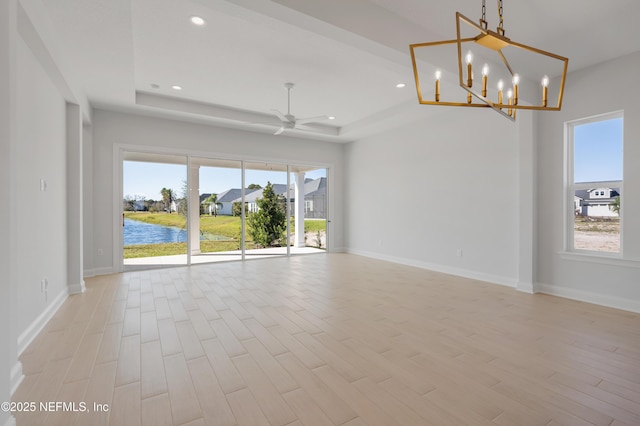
[598, 151]
[147, 179]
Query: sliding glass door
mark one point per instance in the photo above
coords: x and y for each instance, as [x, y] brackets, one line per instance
[265, 200]
[218, 222]
[154, 211]
[308, 209]
[180, 210]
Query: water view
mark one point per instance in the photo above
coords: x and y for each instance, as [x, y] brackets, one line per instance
[136, 232]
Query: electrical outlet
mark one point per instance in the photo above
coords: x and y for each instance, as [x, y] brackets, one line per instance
[44, 285]
[459, 253]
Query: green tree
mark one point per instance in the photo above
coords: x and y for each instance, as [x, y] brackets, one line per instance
[254, 186]
[236, 209]
[267, 226]
[167, 197]
[128, 203]
[615, 206]
[182, 202]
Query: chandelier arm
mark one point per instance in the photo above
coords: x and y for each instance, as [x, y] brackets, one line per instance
[506, 63]
[441, 42]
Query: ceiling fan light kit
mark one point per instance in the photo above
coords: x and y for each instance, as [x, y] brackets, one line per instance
[491, 48]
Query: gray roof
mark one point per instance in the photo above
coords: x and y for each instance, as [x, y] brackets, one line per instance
[278, 188]
[312, 187]
[234, 194]
[316, 187]
[583, 194]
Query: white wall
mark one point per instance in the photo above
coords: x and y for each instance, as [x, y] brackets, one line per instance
[87, 200]
[607, 87]
[40, 248]
[421, 192]
[33, 146]
[8, 355]
[113, 128]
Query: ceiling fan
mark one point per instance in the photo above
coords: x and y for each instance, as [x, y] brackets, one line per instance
[289, 121]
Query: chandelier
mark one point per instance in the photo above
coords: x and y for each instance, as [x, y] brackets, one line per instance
[513, 75]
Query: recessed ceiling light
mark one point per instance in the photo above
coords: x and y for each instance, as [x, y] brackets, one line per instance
[400, 85]
[197, 20]
[176, 87]
[332, 118]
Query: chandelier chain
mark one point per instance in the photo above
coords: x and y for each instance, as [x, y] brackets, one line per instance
[501, 25]
[483, 20]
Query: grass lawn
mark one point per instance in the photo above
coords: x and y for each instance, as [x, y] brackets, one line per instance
[227, 226]
[314, 225]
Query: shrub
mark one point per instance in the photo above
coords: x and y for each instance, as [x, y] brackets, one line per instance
[268, 225]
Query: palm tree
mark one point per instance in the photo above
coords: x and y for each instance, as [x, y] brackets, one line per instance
[167, 197]
[615, 206]
[211, 200]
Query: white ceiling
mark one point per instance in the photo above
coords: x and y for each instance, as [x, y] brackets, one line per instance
[345, 57]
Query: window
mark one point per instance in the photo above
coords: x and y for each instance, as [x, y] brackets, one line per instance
[594, 184]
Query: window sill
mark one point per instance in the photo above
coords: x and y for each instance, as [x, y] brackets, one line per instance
[601, 259]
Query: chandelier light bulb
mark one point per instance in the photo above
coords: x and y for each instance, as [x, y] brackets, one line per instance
[510, 94]
[500, 85]
[485, 70]
[545, 81]
[516, 79]
[438, 74]
[469, 57]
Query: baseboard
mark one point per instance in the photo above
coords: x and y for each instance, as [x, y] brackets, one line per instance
[77, 288]
[526, 287]
[589, 297]
[97, 271]
[480, 276]
[16, 376]
[36, 326]
[339, 250]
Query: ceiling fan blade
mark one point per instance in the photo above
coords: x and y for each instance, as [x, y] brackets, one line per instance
[280, 130]
[265, 123]
[306, 128]
[281, 116]
[311, 119]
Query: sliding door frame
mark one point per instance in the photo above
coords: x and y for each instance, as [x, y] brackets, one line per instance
[119, 151]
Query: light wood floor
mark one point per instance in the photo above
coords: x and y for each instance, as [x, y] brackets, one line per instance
[330, 339]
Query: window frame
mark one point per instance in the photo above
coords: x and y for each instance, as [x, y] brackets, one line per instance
[570, 186]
